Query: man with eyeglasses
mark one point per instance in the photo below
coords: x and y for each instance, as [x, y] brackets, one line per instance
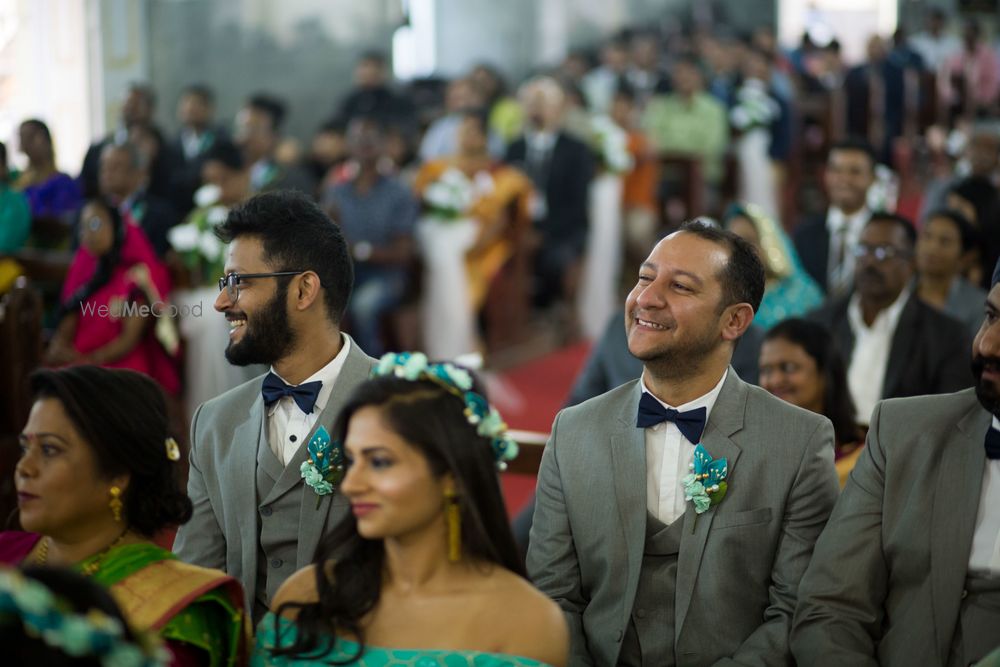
[895, 343]
[907, 570]
[288, 276]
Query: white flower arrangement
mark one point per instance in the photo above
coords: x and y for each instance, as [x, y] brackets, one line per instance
[611, 143]
[754, 106]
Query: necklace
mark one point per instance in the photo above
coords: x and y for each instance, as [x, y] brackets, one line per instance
[42, 556]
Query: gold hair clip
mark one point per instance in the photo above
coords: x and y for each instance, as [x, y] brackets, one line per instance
[173, 450]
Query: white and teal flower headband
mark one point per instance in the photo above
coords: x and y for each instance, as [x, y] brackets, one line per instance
[93, 634]
[414, 366]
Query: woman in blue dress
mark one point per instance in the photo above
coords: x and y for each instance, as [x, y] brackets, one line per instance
[424, 571]
[789, 291]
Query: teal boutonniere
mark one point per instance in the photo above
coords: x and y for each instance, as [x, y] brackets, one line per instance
[706, 485]
[325, 467]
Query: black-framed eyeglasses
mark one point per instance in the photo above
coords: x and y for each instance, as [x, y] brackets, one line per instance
[231, 281]
[879, 252]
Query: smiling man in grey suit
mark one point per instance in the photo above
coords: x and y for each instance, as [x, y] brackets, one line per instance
[644, 578]
[288, 278]
[907, 571]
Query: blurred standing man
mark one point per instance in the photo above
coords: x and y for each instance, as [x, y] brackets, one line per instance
[258, 133]
[649, 569]
[907, 571]
[826, 244]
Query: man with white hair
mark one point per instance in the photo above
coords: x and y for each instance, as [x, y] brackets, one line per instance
[561, 168]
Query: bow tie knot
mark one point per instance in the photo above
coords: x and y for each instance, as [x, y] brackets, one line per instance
[691, 423]
[304, 395]
[992, 444]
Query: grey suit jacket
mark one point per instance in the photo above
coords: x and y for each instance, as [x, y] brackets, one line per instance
[885, 583]
[225, 435]
[739, 564]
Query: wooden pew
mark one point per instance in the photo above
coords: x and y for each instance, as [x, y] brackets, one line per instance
[20, 354]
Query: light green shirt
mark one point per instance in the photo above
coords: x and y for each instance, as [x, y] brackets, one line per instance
[697, 128]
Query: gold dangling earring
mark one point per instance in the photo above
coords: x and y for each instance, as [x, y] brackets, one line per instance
[453, 515]
[116, 504]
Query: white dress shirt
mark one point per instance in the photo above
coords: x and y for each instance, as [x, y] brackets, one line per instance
[845, 230]
[668, 455]
[870, 357]
[287, 425]
[985, 555]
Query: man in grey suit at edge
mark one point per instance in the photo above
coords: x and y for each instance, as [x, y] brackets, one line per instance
[288, 278]
[907, 571]
[644, 578]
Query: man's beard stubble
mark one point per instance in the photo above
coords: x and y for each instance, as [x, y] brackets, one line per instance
[268, 335]
[987, 394]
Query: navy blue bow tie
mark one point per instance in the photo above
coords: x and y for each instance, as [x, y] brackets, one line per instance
[691, 423]
[993, 444]
[304, 395]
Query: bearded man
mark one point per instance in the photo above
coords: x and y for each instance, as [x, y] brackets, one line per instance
[907, 571]
[288, 276]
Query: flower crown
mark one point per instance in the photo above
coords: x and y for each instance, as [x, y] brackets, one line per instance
[93, 634]
[413, 366]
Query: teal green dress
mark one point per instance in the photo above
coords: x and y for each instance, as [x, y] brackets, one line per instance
[374, 656]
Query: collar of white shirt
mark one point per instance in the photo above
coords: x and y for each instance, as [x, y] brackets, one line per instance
[540, 141]
[706, 401]
[836, 220]
[327, 375]
[885, 322]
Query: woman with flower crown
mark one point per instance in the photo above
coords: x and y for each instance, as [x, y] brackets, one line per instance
[474, 212]
[426, 571]
[97, 480]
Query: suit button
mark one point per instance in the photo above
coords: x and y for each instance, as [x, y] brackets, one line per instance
[618, 637]
[265, 511]
[641, 613]
[277, 562]
[965, 593]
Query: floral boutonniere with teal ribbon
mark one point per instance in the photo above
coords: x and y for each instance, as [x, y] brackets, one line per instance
[325, 467]
[706, 485]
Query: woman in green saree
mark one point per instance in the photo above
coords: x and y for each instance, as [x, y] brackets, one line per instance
[97, 479]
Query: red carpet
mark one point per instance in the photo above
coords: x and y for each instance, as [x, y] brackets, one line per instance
[529, 396]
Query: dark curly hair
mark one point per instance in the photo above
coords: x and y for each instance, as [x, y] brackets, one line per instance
[297, 236]
[432, 420]
[816, 341]
[122, 415]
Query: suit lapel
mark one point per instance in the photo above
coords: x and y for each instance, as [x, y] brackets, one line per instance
[241, 496]
[725, 420]
[953, 518]
[313, 519]
[628, 457]
[899, 351]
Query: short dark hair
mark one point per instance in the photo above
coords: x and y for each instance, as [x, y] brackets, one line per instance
[374, 56]
[122, 415]
[135, 157]
[270, 105]
[145, 90]
[895, 219]
[226, 152]
[297, 236]
[855, 144]
[200, 90]
[3, 154]
[743, 278]
[967, 232]
[818, 343]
